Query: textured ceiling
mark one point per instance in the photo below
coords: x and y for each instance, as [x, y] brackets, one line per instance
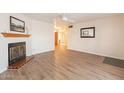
[76, 17]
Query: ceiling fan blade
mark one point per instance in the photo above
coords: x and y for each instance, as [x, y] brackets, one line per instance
[67, 20]
[71, 21]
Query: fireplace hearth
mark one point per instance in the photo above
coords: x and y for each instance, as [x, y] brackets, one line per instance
[16, 52]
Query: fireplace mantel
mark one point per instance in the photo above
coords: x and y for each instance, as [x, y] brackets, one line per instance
[15, 35]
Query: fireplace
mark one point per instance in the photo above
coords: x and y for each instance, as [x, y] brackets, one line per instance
[16, 52]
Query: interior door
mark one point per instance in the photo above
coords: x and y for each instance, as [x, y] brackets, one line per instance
[56, 38]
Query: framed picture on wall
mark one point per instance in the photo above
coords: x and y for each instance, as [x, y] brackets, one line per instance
[17, 25]
[88, 32]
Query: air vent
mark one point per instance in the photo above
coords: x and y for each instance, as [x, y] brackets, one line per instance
[71, 26]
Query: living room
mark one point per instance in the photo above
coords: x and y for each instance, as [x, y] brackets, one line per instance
[65, 46]
[21, 47]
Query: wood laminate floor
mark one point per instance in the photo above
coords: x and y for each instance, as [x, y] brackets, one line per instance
[63, 64]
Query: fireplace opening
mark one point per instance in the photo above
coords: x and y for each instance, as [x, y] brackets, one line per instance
[16, 52]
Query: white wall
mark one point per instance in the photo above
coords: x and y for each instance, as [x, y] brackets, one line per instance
[42, 37]
[4, 27]
[109, 40]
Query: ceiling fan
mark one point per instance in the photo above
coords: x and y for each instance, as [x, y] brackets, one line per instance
[63, 18]
[66, 19]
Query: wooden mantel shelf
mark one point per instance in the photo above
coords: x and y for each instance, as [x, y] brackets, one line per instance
[15, 35]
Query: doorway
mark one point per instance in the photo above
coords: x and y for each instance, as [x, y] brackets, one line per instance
[60, 38]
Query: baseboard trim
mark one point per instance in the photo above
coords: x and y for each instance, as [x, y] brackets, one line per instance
[98, 54]
[43, 52]
[3, 70]
[86, 52]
